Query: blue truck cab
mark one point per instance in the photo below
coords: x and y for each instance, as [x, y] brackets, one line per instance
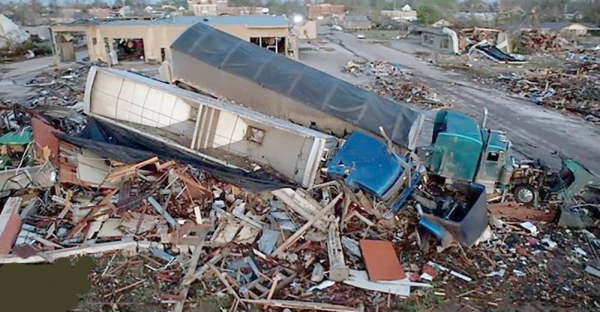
[365, 162]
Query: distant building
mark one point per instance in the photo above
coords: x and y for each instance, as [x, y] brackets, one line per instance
[207, 7]
[574, 16]
[568, 28]
[356, 22]
[324, 10]
[125, 11]
[245, 10]
[306, 30]
[436, 39]
[221, 7]
[70, 14]
[406, 13]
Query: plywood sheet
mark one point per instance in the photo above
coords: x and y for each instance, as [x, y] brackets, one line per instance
[381, 260]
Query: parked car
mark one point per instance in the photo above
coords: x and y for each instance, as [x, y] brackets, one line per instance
[360, 36]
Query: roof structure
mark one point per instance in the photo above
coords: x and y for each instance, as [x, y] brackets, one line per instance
[301, 83]
[17, 138]
[247, 20]
[432, 30]
[356, 18]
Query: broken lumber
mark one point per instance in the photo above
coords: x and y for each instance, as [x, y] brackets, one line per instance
[338, 271]
[300, 205]
[125, 244]
[190, 273]
[302, 305]
[127, 170]
[292, 239]
[162, 211]
[10, 224]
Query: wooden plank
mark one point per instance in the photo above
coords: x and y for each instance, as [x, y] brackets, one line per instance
[121, 172]
[338, 271]
[162, 211]
[225, 282]
[166, 165]
[302, 305]
[128, 244]
[10, 224]
[300, 206]
[319, 216]
[360, 279]
[200, 272]
[190, 273]
[381, 260]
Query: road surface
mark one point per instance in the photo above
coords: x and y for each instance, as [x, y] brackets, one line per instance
[534, 130]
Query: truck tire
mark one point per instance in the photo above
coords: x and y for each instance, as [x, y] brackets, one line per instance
[524, 194]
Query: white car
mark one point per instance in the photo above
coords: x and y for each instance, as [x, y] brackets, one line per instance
[360, 36]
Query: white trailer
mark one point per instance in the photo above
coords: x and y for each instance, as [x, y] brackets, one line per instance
[217, 130]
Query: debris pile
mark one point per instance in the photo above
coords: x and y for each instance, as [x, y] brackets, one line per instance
[400, 88]
[374, 68]
[539, 42]
[184, 236]
[61, 87]
[391, 81]
[180, 225]
[576, 89]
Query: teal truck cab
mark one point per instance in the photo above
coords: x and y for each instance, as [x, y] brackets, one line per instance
[464, 150]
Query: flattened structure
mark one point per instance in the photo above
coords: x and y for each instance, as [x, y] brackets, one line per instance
[225, 66]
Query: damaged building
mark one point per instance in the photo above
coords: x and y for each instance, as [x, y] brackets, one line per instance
[148, 40]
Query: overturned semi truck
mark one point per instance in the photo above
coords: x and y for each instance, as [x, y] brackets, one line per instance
[377, 129]
[224, 66]
[213, 62]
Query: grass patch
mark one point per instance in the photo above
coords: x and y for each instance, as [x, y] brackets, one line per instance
[421, 302]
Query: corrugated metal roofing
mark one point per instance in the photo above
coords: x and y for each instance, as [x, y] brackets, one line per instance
[16, 138]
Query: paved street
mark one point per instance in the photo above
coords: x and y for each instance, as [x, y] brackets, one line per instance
[534, 130]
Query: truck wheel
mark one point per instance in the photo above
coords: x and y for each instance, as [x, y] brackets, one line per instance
[524, 194]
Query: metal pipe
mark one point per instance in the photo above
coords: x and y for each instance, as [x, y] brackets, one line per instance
[485, 116]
